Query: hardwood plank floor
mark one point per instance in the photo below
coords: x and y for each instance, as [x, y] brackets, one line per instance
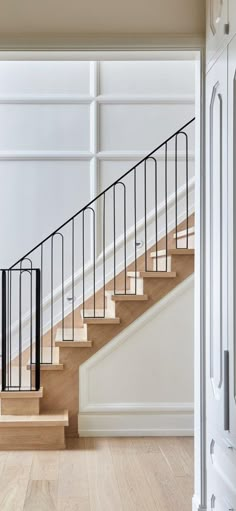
[100, 474]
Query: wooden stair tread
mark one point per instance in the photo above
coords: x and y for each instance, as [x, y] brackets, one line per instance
[74, 344]
[43, 420]
[47, 367]
[22, 394]
[126, 297]
[152, 274]
[102, 321]
[181, 251]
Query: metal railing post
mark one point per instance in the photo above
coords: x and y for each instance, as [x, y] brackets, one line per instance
[4, 328]
[37, 330]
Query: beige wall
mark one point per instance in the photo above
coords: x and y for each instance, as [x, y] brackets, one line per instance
[53, 22]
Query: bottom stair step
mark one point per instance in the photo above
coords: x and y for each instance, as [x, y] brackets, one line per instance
[44, 431]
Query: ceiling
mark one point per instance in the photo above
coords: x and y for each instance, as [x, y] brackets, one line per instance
[38, 21]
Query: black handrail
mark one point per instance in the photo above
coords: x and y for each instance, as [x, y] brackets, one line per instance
[106, 190]
[123, 203]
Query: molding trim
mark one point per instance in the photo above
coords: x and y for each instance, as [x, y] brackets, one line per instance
[54, 99]
[124, 408]
[196, 506]
[84, 432]
[47, 99]
[133, 155]
[181, 99]
[45, 155]
[23, 47]
[87, 155]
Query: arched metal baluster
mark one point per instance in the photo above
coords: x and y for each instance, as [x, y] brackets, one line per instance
[94, 260]
[155, 208]
[166, 204]
[125, 247]
[29, 271]
[176, 191]
[186, 183]
[145, 214]
[61, 236]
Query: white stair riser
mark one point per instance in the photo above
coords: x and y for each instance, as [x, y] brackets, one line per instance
[111, 307]
[182, 242]
[161, 262]
[139, 285]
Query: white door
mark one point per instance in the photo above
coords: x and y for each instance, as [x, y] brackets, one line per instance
[221, 473]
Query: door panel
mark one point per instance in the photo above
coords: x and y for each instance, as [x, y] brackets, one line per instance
[217, 19]
[232, 235]
[216, 272]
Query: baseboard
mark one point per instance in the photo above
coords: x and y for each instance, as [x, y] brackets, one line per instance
[152, 423]
[196, 504]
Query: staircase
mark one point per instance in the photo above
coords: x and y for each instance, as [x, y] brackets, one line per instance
[40, 377]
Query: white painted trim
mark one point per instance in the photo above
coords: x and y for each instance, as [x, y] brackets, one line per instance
[125, 432]
[124, 408]
[145, 99]
[107, 47]
[45, 155]
[196, 505]
[88, 155]
[138, 155]
[47, 99]
[83, 99]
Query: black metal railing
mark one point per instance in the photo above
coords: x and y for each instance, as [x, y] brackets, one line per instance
[102, 240]
[20, 338]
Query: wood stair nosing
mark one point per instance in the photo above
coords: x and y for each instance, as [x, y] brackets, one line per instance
[74, 344]
[152, 274]
[181, 251]
[46, 419]
[34, 432]
[22, 395]
[47, 367]
[122, 296]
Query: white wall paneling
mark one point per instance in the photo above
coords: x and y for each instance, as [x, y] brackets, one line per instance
[151, 398]
[68, 129]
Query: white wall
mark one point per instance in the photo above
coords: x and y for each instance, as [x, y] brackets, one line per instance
[154, 356]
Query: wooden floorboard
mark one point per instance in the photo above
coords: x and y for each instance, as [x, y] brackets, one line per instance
[100, 474]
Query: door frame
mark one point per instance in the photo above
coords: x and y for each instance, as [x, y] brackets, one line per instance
[120, 49]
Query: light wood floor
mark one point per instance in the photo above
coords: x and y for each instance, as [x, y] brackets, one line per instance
[100, 474]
